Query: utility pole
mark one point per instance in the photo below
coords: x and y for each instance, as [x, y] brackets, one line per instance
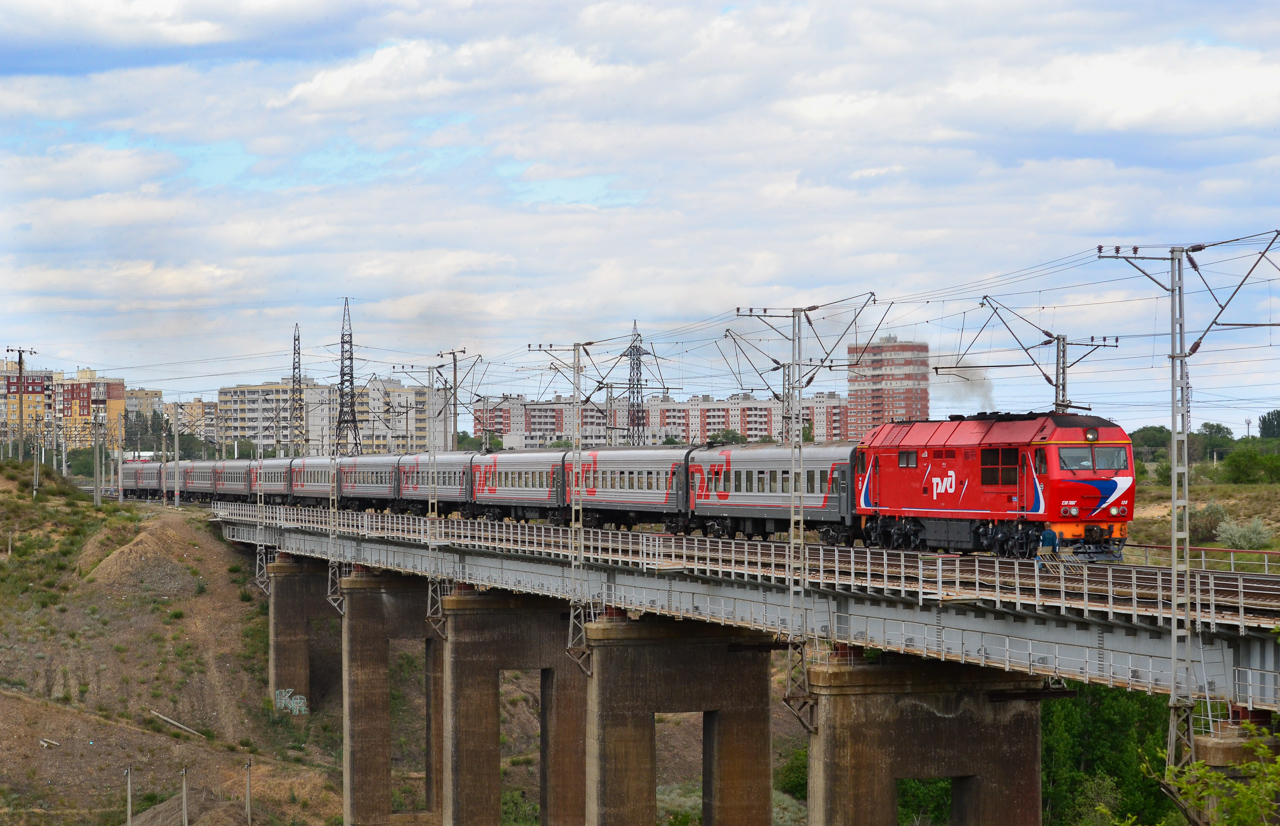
[453, 436]
[635, 389]
[348, 428]
[119, 464]
[577, 647]
[177, 455]
[97, 463]
[1180, 747]
[297, 409]
[22, 390]
[1062, 362]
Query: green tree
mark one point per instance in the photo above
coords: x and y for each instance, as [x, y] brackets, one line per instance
[807, 433]
[672, 440]
[1269, 425]
[468, 442]
[728, 437]
[1214, 438]
[792, 777]
[1245, 797]
[1243, 466]
[1102, 732]
[1151, 441]
[80, 461]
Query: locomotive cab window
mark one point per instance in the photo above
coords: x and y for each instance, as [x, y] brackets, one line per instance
[1075, 458]
[999, 466]
[907, 458]
[1110, 458]
[1042, 461]
[862, 461]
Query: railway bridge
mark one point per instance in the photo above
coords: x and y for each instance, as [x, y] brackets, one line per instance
[623, 625]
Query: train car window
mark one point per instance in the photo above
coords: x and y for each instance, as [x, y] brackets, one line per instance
[906, 458]
[750, 478]
[773, 481]
[631, 480]
[1110, 458]
[1075, 458]
[1008, 466]
[648, 479]
[786, 481]
[737, 481]
[1042, 461]
[822, 480]
[999, 466]
[808, 481]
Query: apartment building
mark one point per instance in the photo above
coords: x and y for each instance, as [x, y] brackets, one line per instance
[524, 423]
[890, 383]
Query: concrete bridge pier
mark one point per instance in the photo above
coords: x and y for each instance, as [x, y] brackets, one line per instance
[493, 631]
[906, 718]
[650, 666]
[377, 610]
[298, 589]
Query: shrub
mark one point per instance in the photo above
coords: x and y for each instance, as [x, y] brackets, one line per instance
[1205, 521]
[1139, 469]
[1242, 467]
[792, 777]
[1164, 473]
[1270, 466]
[1246, 536]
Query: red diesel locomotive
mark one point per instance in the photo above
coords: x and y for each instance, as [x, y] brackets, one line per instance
[1006, 483]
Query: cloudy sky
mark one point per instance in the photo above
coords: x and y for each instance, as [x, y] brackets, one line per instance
[183, 181]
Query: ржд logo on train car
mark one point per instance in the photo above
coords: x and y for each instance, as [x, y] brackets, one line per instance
[944, 484]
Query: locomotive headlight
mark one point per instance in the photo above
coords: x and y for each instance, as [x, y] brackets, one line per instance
[1075, 511]
[1115, 511]
[1124, 511]
[1091, 435]
[1066, 511]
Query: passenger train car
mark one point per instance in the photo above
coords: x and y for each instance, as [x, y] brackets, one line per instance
[1005, 483]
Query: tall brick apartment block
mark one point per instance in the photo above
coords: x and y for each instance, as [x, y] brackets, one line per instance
[890, 384]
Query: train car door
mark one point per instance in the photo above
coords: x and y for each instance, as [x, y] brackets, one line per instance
[840, 485]
[1024, 481]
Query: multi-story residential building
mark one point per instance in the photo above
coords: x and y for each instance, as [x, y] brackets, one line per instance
[59, 408]
[259, 413]
[80, 401]
[197, 418]
[889, 383]
[523, 423]
[138, 401]
[391, 418]
[36, 394]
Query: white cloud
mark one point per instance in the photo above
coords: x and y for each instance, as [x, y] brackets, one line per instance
[500, 174]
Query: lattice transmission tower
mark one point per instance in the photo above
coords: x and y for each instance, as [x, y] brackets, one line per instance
[635, 389]
[297, 410]
[348, 432]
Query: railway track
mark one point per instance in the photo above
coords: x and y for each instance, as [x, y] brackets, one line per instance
[1116, 591]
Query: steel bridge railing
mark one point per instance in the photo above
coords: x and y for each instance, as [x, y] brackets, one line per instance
[1237, 599]
[1126, 591]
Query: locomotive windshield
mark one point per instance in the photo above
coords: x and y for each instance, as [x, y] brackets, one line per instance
[1110, 458]
[1093, 458]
